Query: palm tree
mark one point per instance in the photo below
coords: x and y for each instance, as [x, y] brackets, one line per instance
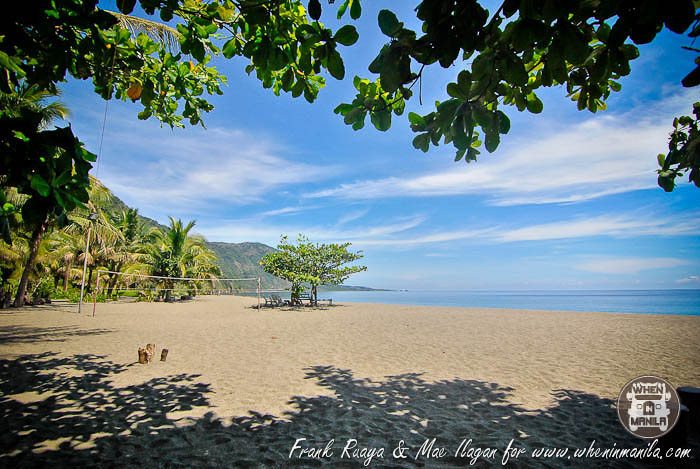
[105, 237]
[127, 250]
[26, 97]
[174, 253]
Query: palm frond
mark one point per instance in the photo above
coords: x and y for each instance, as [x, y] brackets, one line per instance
[160, 32]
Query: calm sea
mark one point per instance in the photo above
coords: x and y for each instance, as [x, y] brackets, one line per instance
[619, 301]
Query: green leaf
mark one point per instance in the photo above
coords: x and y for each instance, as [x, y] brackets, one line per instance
[534, 105]
[343, 7]
[692, 79]
[422, 142]
[40, 185]
[679, 15]
[503, 122]
[355, 9]
[277, 60]
[335, 65]
[615, 86]
[229, 49]
[343, 108]
[314, 9]
[7, 62]
[661, 158]
[492, 141]
[388, 23]
[666, 181]
[126, 6]
[381, 120]
[416, 119]
[455, 91]
[347, 35]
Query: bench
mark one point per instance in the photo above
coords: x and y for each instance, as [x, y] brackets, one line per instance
[307, 296]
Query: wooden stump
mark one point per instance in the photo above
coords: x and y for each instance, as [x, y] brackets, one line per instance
[142, 356]
[150, 352]
[163, 354]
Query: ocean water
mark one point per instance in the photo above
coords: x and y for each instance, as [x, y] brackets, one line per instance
[686, 302]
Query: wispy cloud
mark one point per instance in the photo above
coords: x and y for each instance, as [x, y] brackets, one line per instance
[286, 211]
[605, 155]
[689, 279]
[617, 225]
[352, 216]
[171, 170]
[628, 265]
[247, 229]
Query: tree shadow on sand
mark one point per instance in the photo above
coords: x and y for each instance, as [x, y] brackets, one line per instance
[24, 334]
[98, 424]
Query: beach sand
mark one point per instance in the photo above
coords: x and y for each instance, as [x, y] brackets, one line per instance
[241, 385]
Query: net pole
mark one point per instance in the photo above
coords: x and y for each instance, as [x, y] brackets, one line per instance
[85, 256]
[94, 297]
[258, 293]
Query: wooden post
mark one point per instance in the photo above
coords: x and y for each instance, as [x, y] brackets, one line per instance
[150, 352]
[258, 293]
[142, 356]
[94, 297]
[85, 256]
[163, 354]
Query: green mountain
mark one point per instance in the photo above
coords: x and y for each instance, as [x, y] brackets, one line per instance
[242, 260]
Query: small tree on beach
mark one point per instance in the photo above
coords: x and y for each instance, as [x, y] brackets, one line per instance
[312, 263]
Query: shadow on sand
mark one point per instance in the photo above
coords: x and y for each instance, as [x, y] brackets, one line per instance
[66, 412]
[23, 334]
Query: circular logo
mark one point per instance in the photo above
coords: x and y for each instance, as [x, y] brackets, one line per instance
[648, 406]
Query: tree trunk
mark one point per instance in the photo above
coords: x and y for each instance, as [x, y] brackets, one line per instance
[88, 285]
[66, 276]
[314, 294]
[37, 236]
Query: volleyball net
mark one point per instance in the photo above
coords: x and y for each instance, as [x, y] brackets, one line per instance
[144, 287]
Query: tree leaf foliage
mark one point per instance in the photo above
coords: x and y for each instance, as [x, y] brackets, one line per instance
[311, 263]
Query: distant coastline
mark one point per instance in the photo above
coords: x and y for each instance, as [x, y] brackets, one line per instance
[676, 301]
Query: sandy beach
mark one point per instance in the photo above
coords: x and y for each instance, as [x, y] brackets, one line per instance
[240, 386]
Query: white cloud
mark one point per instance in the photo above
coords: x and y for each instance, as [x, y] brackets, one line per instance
[173, 171]
[286, 211]
[689, 279]
[605, 155]
[247, 229]
[617, 225]
[628, 265]
[352, 216]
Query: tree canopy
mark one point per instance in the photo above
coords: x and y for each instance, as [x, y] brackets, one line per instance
[312, 263]
[501, 59]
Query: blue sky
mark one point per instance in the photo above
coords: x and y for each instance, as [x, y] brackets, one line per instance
[568, 201]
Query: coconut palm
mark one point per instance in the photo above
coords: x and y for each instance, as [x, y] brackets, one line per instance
[104, 236]
[175, 253]
[127, 250]
[27, 97]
